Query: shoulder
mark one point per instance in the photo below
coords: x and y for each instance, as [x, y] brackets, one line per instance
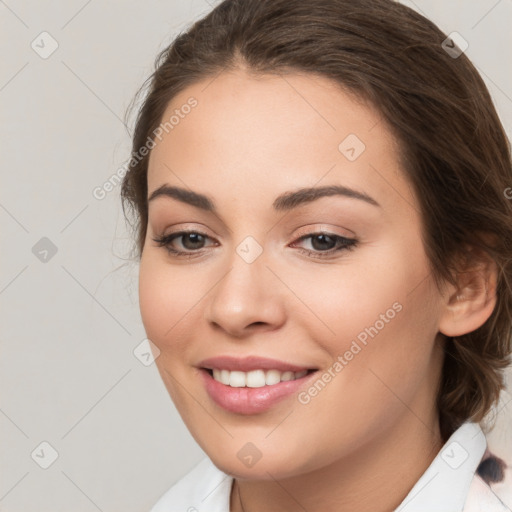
[481, 498]
[203, 488]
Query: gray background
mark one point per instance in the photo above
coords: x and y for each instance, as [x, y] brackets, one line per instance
[70, 324]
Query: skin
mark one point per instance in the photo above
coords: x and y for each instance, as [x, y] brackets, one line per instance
[367, 437]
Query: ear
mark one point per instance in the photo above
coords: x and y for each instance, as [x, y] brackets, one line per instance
[471, 301]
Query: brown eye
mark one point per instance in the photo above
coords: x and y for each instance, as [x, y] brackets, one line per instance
[325, 244]
[191, 241]
[322, 242]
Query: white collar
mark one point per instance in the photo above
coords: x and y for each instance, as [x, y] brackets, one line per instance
[445, 484]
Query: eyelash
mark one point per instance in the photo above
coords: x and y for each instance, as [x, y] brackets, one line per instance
[346, 244]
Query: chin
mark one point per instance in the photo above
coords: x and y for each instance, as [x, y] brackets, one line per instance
[267, 467]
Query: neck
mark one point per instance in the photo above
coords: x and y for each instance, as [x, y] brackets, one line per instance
[382, 473]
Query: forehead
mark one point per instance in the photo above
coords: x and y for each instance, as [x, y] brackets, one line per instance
[271, 133]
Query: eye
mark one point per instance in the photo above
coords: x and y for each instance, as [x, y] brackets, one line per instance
[326, 244]
[192, 241]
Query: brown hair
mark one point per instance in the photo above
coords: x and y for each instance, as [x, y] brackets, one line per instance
[453, 147]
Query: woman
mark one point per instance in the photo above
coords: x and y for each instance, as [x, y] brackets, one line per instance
[325, 247]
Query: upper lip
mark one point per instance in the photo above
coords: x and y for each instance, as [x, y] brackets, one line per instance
[246, 364]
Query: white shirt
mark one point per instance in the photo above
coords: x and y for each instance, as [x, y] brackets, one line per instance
[450, 483]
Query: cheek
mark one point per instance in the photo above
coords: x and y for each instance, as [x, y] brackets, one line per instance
[377, 313]
[384, 320]
[364, 292]
[167, 300]
[167, 297]
[153, 301]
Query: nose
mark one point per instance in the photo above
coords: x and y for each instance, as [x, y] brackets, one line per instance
[247, 297]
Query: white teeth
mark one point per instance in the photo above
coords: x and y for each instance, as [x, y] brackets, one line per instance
[237, 379]
[255, 378]
[224, 377]
[272, 377]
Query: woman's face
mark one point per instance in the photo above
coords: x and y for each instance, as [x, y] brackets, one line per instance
[357, 305]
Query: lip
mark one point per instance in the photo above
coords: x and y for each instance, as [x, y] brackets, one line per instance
[248, 363]
[247, 400]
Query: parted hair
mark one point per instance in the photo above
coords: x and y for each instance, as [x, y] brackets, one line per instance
[453, 148]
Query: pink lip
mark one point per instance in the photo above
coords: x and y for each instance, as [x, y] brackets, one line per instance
[246, 364]
[250, 400]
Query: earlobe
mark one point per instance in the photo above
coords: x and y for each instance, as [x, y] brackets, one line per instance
[470, 302]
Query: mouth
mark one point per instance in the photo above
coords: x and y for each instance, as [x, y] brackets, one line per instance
[255, 391]
[257, 378]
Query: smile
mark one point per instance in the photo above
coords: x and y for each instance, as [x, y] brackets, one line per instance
[249, 393]
[255, 378]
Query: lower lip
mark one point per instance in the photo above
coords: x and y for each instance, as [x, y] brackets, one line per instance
[250, 400]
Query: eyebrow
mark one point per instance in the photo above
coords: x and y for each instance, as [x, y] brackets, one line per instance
[283, 202]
